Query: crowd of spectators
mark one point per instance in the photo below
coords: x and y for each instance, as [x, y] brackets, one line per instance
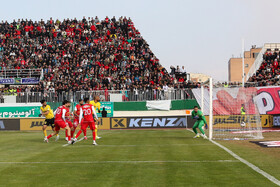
[178, 73]
[269, 71]
[85, 55]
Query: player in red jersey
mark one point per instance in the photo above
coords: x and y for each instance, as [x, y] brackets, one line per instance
[60, 120]
[68, 117]
[76, 119]
[87, 110]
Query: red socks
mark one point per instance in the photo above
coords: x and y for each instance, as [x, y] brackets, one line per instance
[93, 134]
[49, 136]
[66, 135]
[78, 134]
[85, 132]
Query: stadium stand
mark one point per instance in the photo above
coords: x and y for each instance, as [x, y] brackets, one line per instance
[269, 72]
[85, 55]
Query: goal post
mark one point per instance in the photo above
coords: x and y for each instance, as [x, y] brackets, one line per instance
[205, 86]
[231, 113]
[211, 109]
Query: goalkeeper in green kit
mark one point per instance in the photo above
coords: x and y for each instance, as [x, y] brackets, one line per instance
[198, 115]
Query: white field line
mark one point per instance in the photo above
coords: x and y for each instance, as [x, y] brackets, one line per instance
[125, 162]
[253, 131]
[76, 141]
[255, 168]
[149, 145]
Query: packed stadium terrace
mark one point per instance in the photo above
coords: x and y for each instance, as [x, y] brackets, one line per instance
[269, 71]
[87, 54]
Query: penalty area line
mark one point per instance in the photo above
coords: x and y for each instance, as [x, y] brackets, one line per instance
[150, 145]
[126, 162]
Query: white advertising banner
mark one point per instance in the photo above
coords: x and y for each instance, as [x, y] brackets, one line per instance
[159, 105]
[228, 101]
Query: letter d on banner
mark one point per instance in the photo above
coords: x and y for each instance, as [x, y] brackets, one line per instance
[264, 102]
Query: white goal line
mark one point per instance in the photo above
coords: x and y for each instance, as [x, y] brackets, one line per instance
[252, 166]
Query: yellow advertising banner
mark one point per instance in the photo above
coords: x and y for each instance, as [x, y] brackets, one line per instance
[105, 124]
[37, 124]
[234, 121]
[32, 124]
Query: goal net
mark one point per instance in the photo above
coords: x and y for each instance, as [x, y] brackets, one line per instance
[231, 112]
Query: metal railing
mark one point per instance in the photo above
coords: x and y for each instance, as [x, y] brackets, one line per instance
[127, 95]
[21, 73]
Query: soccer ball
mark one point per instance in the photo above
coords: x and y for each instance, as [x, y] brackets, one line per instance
[242, 124]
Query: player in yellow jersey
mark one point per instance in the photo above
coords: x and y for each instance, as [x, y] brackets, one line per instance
[47, 112]
[96, 105]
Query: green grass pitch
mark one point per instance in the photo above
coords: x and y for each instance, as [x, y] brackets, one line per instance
[130, 158]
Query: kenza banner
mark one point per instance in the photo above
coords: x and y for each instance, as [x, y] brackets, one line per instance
[228, 101]
[149, 122]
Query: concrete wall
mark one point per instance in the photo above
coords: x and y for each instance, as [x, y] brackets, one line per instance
[141, 106]
[235, 65]
[151, 113]
[199, 77]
